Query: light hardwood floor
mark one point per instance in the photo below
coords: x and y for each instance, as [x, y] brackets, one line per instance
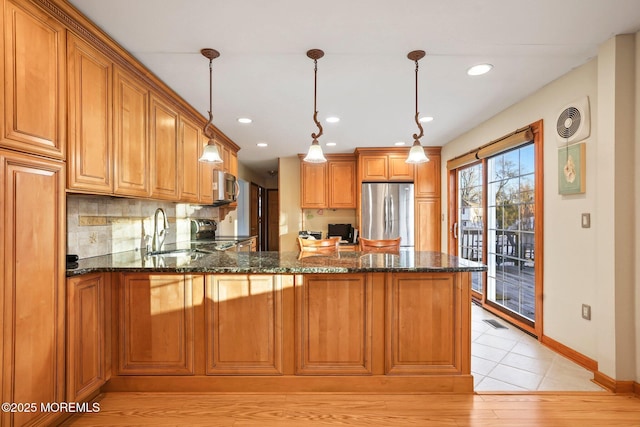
[300, 410]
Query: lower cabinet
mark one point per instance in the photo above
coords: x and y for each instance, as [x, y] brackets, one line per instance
[377, 331]
[156, 323]
[86, 335]
[243, 324]
[334, 317]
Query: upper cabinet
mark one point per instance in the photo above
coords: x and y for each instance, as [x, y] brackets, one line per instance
[131, 103]
[313, 185]
[329, 185]
[164, 150]
[34, 81]
[342, 183]
[384, 165]
[188, 153]
[90, 150]
[428, 175]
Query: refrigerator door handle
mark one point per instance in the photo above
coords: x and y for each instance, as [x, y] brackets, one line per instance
[385, 214]
[391, 216]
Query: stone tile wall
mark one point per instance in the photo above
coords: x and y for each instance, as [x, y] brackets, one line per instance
[101, 225]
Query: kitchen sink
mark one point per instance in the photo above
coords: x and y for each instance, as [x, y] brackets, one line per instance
[179, 252]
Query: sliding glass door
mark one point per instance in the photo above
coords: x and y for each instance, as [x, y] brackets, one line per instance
[495, 219]
[511, 231]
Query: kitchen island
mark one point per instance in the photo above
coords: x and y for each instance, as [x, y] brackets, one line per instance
[204, 320]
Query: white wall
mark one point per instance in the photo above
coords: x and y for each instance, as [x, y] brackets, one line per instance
[289, 197]
[636, 297]
[573, 256]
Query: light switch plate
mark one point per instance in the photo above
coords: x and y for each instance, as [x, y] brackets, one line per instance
[586, 220]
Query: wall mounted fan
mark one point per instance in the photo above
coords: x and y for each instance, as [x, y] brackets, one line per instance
[574, 123]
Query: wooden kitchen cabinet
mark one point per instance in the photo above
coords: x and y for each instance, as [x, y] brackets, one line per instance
[426, 330]
[427, 223]
[244, 325]
[334, 315]
[131, 139]
[163, 145]
[156, 323]
[90, 148]
[86, 335]
[342, 183]
[32, 237]
[188, 155]
[313, 185]
[34, 112]
[381, 165]
[427, 183]
[328, 185]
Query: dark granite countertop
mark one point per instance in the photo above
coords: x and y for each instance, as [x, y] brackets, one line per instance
[218, 261]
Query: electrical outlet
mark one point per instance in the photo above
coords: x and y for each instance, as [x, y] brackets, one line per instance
[586, 311]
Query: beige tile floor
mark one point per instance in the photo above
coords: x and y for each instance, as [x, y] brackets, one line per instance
[510, 360]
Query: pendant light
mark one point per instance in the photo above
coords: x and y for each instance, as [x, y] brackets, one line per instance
[210, 153]
[315, 150]
[416, 154]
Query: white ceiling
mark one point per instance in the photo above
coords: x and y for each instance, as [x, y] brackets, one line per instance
[365, 77]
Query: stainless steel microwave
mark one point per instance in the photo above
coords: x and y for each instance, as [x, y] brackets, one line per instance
[225, 188]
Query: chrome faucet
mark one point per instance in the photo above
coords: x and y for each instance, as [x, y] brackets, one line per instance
[159, 235]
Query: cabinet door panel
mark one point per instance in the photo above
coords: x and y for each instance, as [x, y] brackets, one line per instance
[423, 325]
[427, 224]
[244, 313]
[90, 118]
[164, 150]
[86, 370]
[34, 95]
[342, 184]
[189, 152]
[333, 323]
[428, 177]
[374, 167]
[32, 295]
[313, 185]
[156, 329]
[131, 105]
[399, 170]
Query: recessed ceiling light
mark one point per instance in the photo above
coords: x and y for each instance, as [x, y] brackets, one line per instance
[479, 69]
[262, 144]
[332, 119]
[331, 144]
[244, 120]
[399, 143]
[426, 119]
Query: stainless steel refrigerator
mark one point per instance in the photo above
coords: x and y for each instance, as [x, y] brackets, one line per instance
[387, 212]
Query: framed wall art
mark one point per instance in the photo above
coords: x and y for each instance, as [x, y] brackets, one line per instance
[572, 171]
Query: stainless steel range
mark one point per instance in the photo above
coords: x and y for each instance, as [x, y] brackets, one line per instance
[203, 229]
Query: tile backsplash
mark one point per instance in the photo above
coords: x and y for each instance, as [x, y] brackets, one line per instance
[101, 225]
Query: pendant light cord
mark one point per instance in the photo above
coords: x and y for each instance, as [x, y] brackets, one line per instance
[206, 127]
[315, 91]
[416, 137]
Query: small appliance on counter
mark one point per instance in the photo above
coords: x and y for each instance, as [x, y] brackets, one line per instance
[344, 231]
[317, 235]
[203, 229]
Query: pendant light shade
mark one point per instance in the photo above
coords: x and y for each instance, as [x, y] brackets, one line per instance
[416, 154]
[210, 153]
[315, 154]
